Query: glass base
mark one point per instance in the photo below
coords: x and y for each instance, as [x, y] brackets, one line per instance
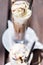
[21, 41]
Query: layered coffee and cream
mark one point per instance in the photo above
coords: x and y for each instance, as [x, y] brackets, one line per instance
[20, 14]
[18, 53]
[20, 11]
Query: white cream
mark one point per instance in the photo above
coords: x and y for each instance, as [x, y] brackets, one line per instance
[19, 4]
[18, 13]
[18, 50]
[22, 20]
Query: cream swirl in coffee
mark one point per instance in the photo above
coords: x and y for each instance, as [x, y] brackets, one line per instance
[20, 11]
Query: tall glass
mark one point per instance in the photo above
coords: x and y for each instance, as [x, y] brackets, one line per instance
[19, 24]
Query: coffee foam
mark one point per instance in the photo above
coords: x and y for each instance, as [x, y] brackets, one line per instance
[18, 4]
[20, 17]
[19, 50]
[22, 20]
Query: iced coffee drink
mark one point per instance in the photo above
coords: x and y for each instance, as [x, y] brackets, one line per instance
[18, 53]
[20, 14]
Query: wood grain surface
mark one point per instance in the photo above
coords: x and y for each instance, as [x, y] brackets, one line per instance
[3, 21]
[37, 18]
[37, 25]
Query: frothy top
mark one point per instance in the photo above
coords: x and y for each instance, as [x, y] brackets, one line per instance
[20, 11]
[18, 50]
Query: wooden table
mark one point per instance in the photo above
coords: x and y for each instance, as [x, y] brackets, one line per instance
[3, 21]
[37, 18]
[36, 24]
[2, 56]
